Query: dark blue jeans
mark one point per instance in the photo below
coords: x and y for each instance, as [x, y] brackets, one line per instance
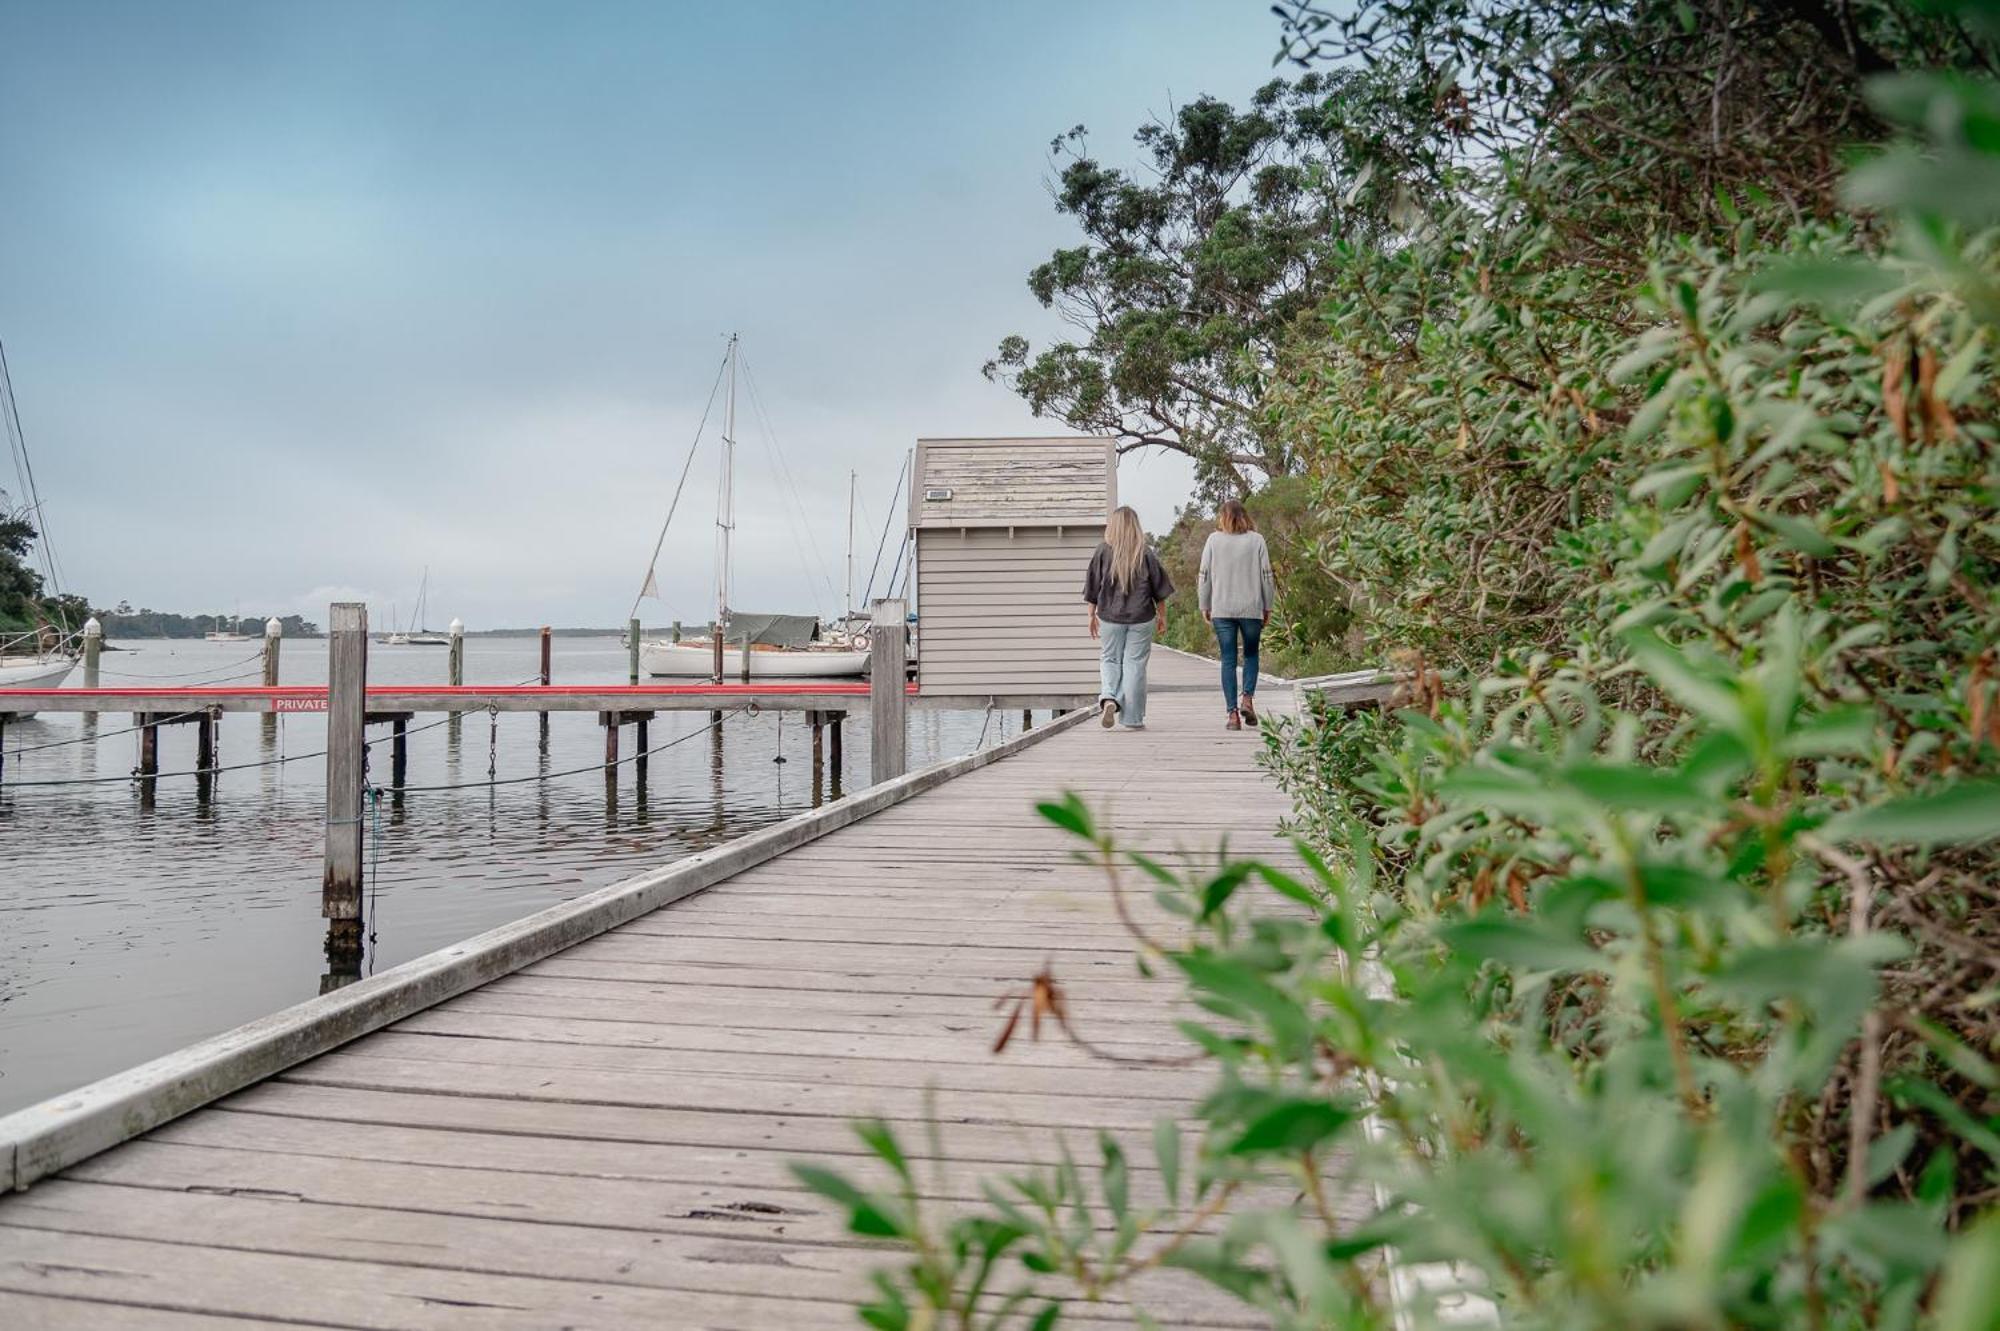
[1227, 633]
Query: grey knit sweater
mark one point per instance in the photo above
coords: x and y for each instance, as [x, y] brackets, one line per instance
[1236, 580]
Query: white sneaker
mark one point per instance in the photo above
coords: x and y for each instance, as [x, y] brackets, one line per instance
[1107, 712]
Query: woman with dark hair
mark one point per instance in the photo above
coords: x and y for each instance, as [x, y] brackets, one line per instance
[1237, 593]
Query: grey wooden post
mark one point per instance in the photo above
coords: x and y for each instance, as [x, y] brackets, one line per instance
[346, 727]
[715, 641]
[399, 752]
[274, 635]
[545, 684]
[149, 746]
[640, 745]
[888, 704]
[746, 658]
[633, 649]
[455, 662]
[611, 722]
[93, 644]
[835, 761]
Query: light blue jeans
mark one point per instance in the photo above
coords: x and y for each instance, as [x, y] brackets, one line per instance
[1123, 650]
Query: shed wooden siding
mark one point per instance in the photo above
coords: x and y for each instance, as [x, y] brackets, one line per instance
[1003, 612]
[1014, 482]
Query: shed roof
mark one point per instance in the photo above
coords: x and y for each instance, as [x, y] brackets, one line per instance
[1014, 482]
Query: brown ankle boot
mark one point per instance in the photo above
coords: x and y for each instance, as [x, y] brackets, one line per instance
[1235, 722]
[1249, 711]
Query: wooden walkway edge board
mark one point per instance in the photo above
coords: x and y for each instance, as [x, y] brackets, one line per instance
[46, 1137]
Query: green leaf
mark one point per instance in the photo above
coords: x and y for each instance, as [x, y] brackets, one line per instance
[1114, 1177]
[1046, 1319]
[1844, 730]
[1244, 989]
[1963, 814]
[866, 1215]
[1216, 893]
[1529, 945]
[1289, 1126]
[1640, 789]
[1167, 1152]
[1287, 886]
[1969, 1294]
[1680, 680]
[1069, 814]
[881, 1139]
[1798, 534]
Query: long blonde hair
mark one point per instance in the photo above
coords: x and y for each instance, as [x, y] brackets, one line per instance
[1128, 547]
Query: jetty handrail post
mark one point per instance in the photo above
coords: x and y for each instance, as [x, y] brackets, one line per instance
[455, 676]
[632, 651]
[274, 636]
[346, 727]
[93, 646]
[888, 703]
[545, 684]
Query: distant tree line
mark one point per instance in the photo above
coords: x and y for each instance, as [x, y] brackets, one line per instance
[125, 622]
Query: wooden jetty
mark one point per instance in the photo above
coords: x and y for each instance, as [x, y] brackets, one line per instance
[564, 1124]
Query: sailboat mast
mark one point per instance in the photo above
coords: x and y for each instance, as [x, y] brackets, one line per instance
[726, 512]
[849, 620]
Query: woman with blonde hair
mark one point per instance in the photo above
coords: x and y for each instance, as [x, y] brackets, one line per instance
[1127, 588]
[1237, 593]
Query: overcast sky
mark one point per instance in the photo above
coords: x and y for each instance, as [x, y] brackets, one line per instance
[301, 298]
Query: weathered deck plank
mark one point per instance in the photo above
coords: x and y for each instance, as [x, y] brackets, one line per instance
[601, 1138]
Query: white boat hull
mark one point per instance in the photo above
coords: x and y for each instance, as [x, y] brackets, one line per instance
[682, 660]
[33, 673]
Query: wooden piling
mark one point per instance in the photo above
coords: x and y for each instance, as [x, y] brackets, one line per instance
[149, 746]
[632, 648]
[274, 634]
[834, 762]
[399, 751]
[715, 641]
[545, 684]
[346, 722]
[817, 720]
[455, 661]
[746, 658]
[888, 703]
[93, 647]
[204, 740]
[610, 722]
[639, 744]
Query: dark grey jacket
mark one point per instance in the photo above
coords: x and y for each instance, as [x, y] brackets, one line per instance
[1132, 605]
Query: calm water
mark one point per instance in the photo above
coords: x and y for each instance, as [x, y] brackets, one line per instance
[128, 930]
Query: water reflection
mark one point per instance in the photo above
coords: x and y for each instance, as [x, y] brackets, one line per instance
[137, 916]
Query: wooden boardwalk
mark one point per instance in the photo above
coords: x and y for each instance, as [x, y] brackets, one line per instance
[600, 1140]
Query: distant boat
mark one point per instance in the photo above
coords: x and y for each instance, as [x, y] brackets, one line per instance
[234, 633]
[418, 635]
[781, 646]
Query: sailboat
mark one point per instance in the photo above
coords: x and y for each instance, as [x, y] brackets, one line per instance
[416, 635]
[780, 646]
[43, 655]
[234, 633]
[420, 635]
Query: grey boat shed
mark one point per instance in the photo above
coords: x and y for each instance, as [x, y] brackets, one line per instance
[1004, 530]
